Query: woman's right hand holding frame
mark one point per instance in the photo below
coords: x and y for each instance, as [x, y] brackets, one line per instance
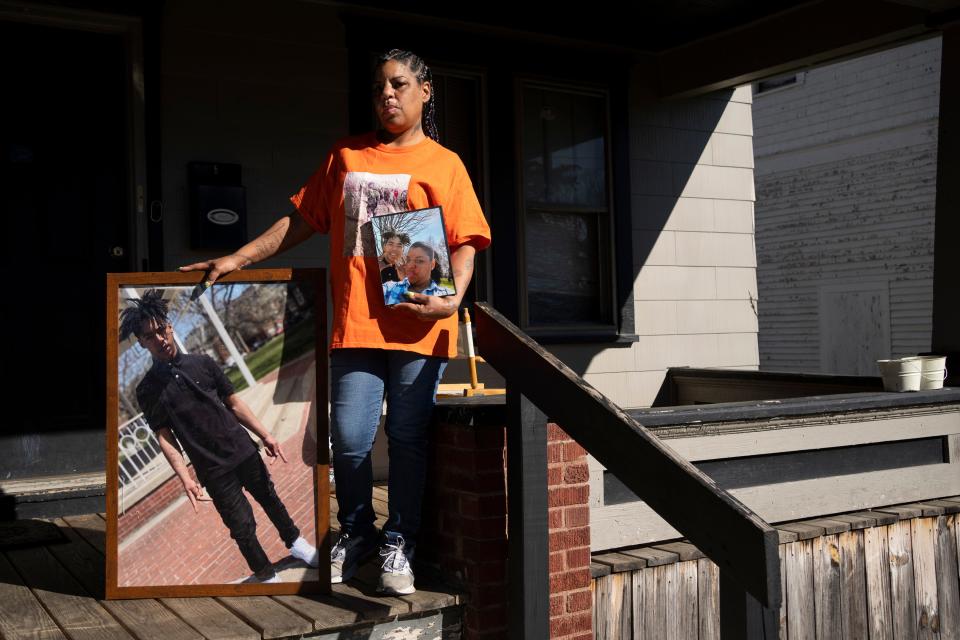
[288, 231]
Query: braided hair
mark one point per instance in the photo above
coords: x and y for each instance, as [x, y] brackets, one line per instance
[423, 74]
[151, 306]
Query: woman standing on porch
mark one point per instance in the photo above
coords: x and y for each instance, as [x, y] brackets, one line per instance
[400, 351]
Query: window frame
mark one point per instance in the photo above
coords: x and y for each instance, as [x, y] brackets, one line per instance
[606, 219]
[481, 284]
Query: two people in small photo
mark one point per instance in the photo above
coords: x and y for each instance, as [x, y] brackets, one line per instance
[412, 271]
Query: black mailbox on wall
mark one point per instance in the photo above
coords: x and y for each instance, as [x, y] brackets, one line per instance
[218, 206]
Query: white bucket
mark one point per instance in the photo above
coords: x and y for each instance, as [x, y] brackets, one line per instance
[911, 364]
[888, 371]
[902, 374]
[933, 371]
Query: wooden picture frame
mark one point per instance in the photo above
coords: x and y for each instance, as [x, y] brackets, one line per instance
[282, 312]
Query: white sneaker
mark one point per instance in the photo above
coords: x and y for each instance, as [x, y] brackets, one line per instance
[303, 550]
[273, 579]
[396, 576]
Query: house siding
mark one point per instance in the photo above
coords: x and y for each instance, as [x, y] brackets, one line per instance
[264, 89]
[846, 184]
[695, 285]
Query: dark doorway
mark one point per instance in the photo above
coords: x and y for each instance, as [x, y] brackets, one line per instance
[459, 103]
[64, 193]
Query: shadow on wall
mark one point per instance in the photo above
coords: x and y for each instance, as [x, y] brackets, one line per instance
[668, 141]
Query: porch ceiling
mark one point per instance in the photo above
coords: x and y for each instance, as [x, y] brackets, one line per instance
[694, 46]
[652, 26]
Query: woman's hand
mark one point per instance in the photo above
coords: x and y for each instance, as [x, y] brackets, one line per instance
[288, 231]
[219, 266]
[427, 308]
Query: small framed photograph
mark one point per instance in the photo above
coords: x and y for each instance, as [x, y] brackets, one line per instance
[217, 436]
[413, 254]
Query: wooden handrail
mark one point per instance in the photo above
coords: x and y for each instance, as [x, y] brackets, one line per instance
[742, 545]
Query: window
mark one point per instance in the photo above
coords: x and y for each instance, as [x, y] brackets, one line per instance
[565, 210]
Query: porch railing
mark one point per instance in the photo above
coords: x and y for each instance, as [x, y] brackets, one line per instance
[743, 546]
[142, 465]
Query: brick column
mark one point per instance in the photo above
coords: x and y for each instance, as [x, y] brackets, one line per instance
[465, 526]
[571, 601]
[465, 521]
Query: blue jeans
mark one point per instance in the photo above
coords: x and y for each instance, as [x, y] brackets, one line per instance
[359, 378]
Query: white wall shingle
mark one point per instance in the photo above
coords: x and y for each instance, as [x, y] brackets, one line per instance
[846, 187]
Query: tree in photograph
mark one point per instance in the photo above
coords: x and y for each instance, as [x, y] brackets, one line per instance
[443, 258]
[410, 223]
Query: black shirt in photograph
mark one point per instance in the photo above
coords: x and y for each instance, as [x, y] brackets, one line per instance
[186, 395]
[389, 274]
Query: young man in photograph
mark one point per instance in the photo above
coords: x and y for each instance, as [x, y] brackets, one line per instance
[189, 402]
[392, 259]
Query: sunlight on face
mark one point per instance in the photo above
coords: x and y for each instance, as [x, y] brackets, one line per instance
[393, 249]
[418, 267]
[398, 97]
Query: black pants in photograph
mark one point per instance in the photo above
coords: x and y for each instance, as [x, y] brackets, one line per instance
[227, 493]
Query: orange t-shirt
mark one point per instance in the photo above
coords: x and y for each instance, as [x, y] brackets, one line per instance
[362, 178]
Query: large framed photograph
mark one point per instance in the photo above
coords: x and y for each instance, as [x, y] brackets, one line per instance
[413, 254]
[217, 435]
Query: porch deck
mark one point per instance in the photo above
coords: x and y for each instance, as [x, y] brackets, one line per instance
[52, 584]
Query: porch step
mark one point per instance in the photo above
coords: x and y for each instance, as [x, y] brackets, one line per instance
[52, 496]
[39, 487]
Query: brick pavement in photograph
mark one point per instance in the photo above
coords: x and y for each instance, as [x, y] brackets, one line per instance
[195, 548]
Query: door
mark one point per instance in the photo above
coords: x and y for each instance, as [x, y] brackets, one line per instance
[65, 195]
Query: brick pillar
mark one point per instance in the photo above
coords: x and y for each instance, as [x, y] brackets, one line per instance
[571, 601]
[465, 521]
[465, 527]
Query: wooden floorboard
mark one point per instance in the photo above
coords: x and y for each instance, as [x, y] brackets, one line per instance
[211, 619]
[431, 597]
[22, 617]
[55, 590]
[270, 618]
[27, 533]
[64, 598]
[654, 556]
[149, 620]
[370, 605]
[381, 503]
[82, 560]
[326, 613]
[380, 493]
[91, 528]
[620, 562]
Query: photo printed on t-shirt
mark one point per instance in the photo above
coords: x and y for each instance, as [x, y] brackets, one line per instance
[366, 195]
